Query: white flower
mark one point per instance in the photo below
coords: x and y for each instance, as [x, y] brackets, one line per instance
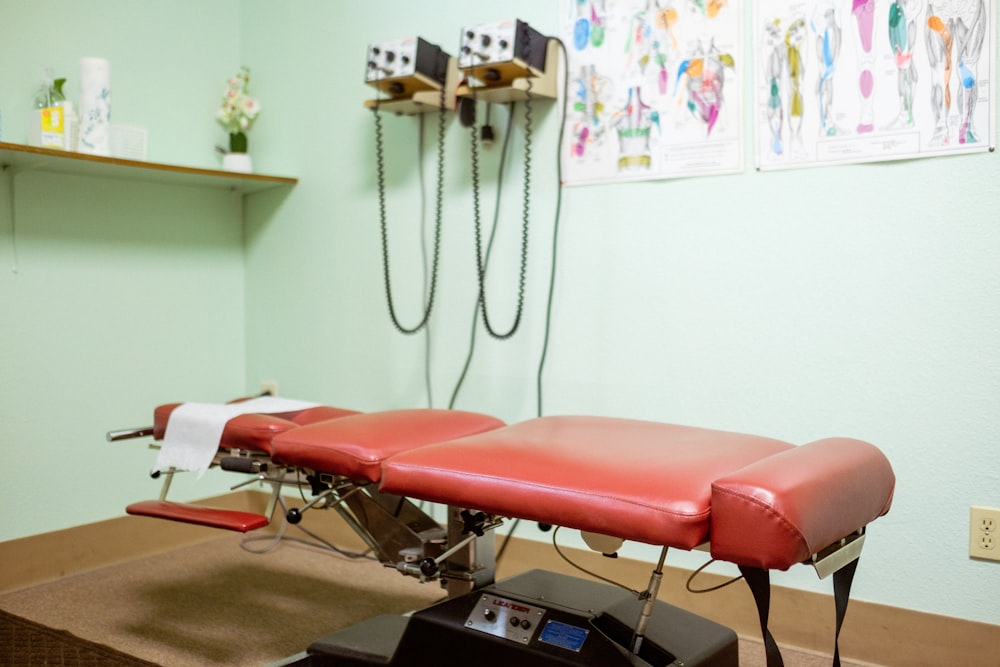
[238, 110]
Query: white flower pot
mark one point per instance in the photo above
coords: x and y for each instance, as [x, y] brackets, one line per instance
[239, 162]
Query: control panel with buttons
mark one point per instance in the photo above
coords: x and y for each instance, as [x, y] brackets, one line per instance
[505, 618]
[405, 65]
[502, 42]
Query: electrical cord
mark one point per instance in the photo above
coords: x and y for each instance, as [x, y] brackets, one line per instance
[380, 177]
[489, 251]
[586, 571]
[423, 257]
[315, 541]
[555, 228]
[525, 217]
[694, 574]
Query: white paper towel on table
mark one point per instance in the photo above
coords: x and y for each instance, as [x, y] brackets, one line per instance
[194, 430]
[95, 106]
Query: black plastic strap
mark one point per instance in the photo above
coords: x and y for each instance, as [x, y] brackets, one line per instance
[759, 581]
[842, 580]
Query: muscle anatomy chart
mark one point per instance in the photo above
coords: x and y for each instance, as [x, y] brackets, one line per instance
[654, 89]
[863, 80]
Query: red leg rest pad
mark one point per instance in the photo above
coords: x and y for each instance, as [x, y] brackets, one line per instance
[356, 446]
[254, 432]
[199, 514]
[636, 480]
[783, 509]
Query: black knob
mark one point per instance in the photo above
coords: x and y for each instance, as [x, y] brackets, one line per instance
[504, 43]
[389, 56]
[469, 34]
[428, 567]
[406, 60]
[515, 621]
[293, 516]
[486, 39]
[489, 615]
[376, 50]
[525, 624]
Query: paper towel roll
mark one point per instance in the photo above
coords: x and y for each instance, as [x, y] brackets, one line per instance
[95, 106]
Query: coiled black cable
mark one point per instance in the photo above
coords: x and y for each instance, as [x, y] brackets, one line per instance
[525, 217]
[489, 251]
[380, 178]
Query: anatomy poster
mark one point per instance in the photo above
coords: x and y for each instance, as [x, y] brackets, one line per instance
[840, 81]
[654, 89]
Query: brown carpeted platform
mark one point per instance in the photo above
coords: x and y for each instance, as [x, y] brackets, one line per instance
[214, 604]
[24, 643]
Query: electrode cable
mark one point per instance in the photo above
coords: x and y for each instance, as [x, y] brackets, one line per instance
[480, 266]
[380, 166]
[489, 251]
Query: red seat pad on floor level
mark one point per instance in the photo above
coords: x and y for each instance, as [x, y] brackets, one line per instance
[637, 480]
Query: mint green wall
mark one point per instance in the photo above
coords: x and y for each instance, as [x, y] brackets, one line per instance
[860, 300]
[127, 294]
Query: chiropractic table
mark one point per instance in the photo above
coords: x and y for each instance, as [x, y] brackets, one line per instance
[757, 502]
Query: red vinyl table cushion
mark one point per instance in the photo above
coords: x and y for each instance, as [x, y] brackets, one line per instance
[356, 446]
[637, 480]
[254, 432]
[783, 509]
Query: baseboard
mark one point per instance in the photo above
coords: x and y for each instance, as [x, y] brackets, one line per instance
[872, 633]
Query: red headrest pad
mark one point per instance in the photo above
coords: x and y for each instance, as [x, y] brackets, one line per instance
[782, 509]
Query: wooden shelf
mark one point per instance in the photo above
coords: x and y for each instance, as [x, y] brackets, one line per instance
[518, 81]
[423, 94]
[44, 159]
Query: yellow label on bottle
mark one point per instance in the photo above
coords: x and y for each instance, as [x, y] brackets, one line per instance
[52, 119]
[53, 127]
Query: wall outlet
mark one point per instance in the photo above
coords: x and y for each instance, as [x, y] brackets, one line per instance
[269, 387]
[984, 533]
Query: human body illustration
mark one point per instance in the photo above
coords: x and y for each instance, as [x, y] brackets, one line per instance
[864, 29]
[826, 26]
[902, 38]
[634, 124]
[643, 45]
[794, 38]
[589, 27]
[954, 29]
[774, 68]
[589, 109]
[709, 8]
[706, 77]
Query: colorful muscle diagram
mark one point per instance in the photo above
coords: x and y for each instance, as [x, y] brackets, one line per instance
[784, 73]
[709, 8]
[955, 29]
[902, 38]
[588, 28]
[863, 12]
[826, 26]
[645, 43]
[864, 80]
[634, 125]
[589, 111]
[653, 89]
[705, 74]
